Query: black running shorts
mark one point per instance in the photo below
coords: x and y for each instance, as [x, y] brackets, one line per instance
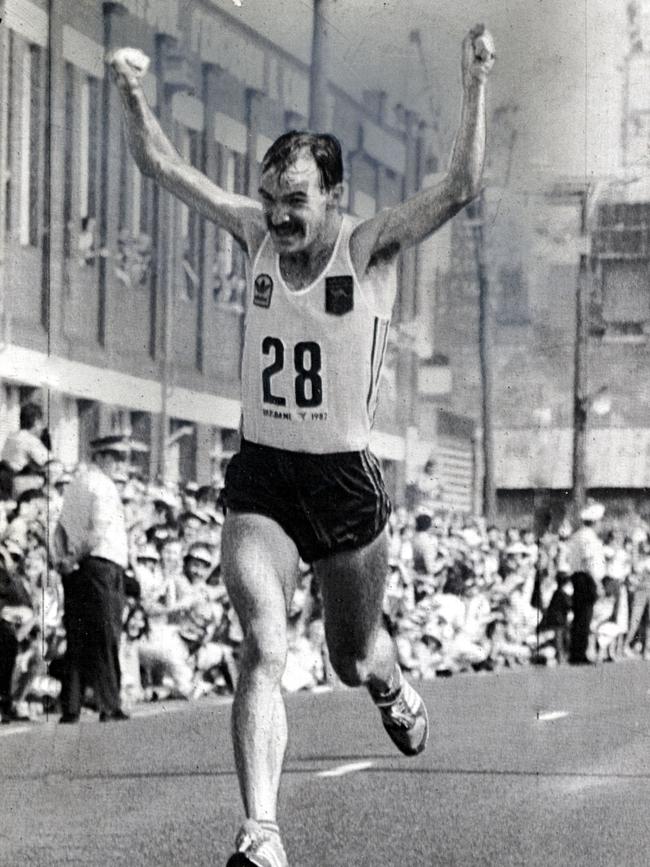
[325, 503]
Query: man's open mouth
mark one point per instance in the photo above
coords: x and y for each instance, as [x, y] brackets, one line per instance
[286, 230]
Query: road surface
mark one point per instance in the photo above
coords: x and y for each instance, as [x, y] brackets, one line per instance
[531, 767]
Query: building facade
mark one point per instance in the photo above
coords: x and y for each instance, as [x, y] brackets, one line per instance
[120, 309]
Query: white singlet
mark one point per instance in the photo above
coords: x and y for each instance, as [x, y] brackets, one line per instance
[312, 358]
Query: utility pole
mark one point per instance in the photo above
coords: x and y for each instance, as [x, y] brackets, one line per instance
[476, 214]
[165, 262]
[319, 78]
[4, 134]
[580, 400]
[502, 120]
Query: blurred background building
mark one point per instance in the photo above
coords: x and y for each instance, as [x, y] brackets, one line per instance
[120, 309]
[534, 237]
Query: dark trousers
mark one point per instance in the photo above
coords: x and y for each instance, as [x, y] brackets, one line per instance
[6, 481]
[94, 598]
[8, 653]
[584, 596]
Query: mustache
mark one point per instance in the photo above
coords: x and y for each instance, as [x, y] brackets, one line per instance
[288, 227]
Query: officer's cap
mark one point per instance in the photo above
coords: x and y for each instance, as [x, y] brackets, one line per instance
[592, 513]
[118, 444]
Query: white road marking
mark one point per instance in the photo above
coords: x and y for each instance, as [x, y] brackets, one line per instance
[551, 715]
[4, 733]
[342, 770]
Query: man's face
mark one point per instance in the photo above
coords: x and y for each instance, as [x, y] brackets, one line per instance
[34, 566]
[296, 207]
[38, 427]
[172, 557]
[195, 569]
[111, 462]
[136, 624]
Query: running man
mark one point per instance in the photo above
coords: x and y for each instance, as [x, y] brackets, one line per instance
[304, 484]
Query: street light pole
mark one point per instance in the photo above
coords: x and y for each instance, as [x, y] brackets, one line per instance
[318, 81]
[477, 221]
[580, 399]
[580, 402]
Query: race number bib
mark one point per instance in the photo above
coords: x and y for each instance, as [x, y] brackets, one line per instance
[293, 380]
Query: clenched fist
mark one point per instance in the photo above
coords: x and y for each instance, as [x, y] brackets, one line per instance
[129, 66]
[478, 54]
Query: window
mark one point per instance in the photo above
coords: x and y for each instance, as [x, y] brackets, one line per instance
[190, 223]
[25, 147]
[228, 273]
[134, 248]
[626, 299]
[88, 147]
[89, 119]
[122, 184]
[36, 92]
[136, 197]
[9, 130]
[513, 297]
[68, 156]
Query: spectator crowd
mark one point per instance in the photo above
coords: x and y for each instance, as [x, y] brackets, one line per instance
[461, 596]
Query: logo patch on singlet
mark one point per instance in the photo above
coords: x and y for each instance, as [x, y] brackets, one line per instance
[263, 291]
[339, 294]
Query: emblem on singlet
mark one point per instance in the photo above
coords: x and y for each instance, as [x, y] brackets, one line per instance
[263, 291]
[339, 294]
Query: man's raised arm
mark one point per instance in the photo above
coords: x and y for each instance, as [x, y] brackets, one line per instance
[410, 222]
[157, 158]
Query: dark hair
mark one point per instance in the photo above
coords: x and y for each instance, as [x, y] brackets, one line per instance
[324, 148]
[30, 413]
[136, 608]
[28, 496]
[206, 492]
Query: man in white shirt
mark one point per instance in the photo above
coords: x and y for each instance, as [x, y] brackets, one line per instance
[91, 547]
[586, 558]
[23, 449]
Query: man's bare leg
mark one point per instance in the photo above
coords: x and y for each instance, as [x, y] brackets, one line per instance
[361, 650]
[260, 568]
[352, 584]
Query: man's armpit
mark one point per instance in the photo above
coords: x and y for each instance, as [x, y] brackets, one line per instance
[255, 234]
[384, 255]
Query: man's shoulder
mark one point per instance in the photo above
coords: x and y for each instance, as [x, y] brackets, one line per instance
[12, 439]
[98, 480]
[32, 445]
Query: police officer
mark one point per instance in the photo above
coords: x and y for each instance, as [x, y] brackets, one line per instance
[92, 550]
[586, 557]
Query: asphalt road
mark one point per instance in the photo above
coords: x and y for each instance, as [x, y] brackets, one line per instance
[534, 767]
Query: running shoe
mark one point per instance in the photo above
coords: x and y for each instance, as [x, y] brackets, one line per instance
[258, 847]
[405, 718]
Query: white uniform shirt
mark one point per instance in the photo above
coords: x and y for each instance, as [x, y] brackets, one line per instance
[312, 358]
[22, 448]
[587, 553]
[93, 518]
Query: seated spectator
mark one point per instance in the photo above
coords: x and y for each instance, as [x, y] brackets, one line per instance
[23, 450]
[161, 651]
[554, 626]
[638, 636]
[194, 525]
[136, 629]
[28, 521]
[41, 640]
[16, 621]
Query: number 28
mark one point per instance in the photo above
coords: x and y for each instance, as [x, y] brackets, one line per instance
[307, 365]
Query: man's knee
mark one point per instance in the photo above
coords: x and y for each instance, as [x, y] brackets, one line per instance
[264, 654]
[352, 669]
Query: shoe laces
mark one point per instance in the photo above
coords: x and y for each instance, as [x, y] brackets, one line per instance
[252, 837]
[400, 712]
